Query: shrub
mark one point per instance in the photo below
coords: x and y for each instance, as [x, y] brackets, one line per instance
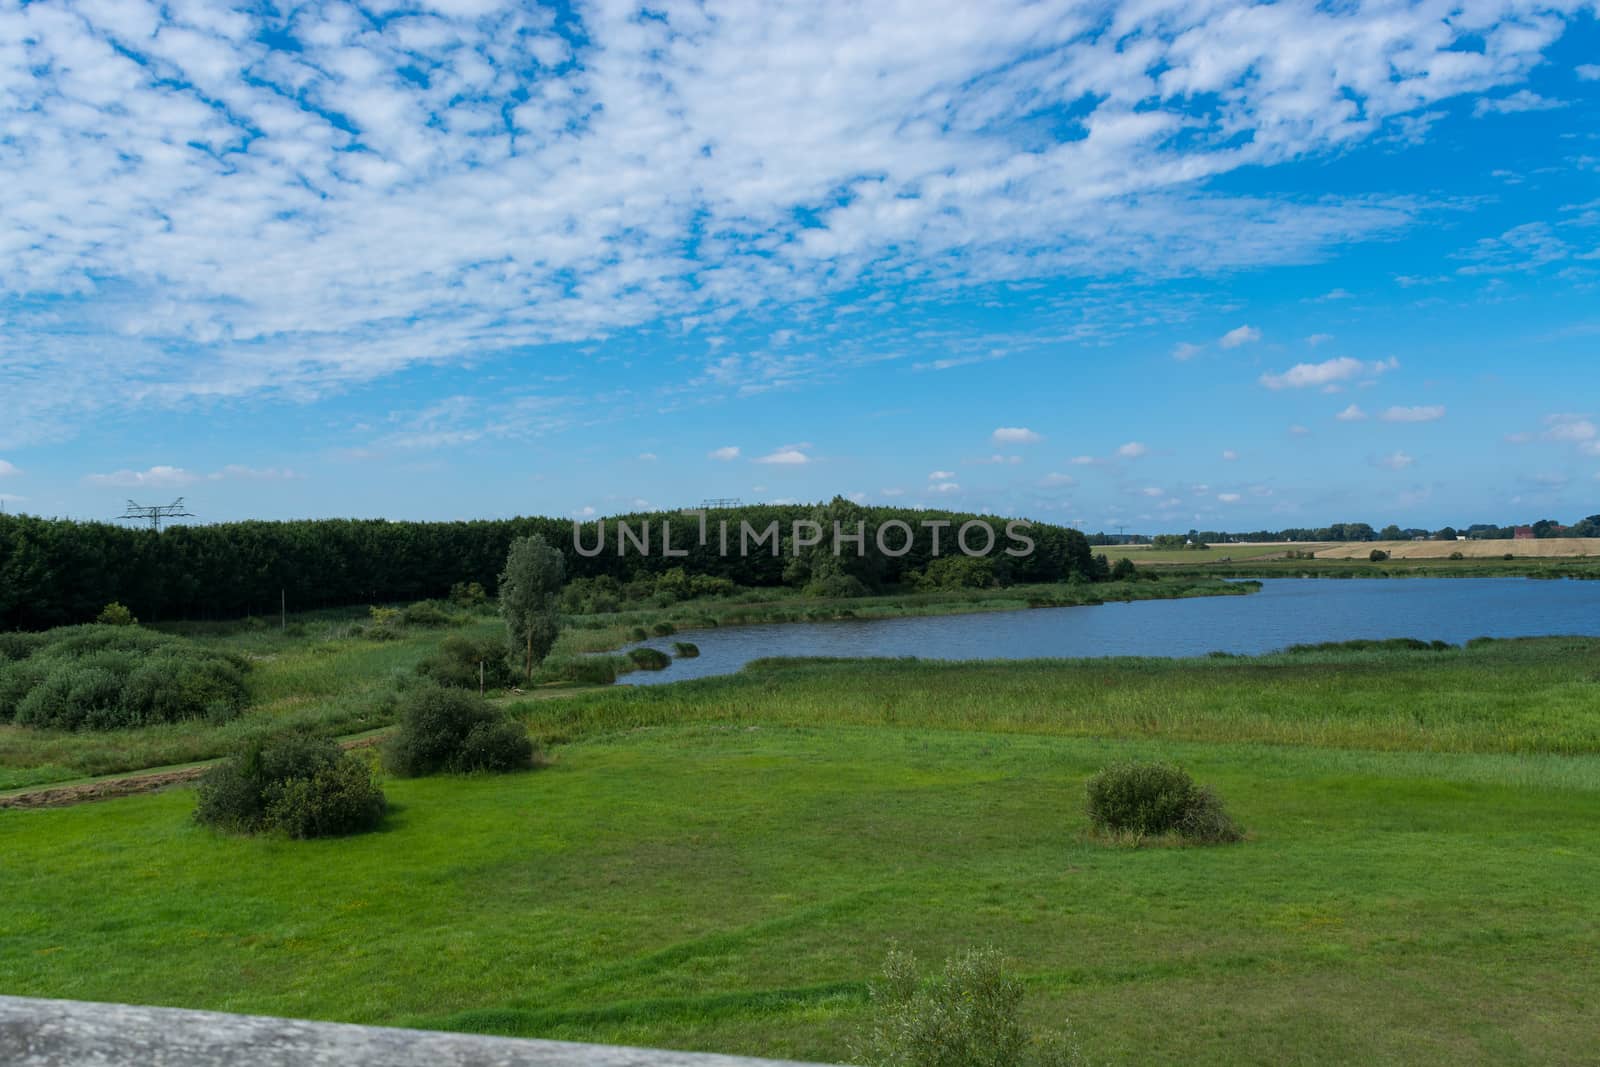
[114, 614]
[685, 649]
[583, 670]
[299, 785]
[649, 659]
[427, 613]
[450, 730]
[1458, 555]
[468, 595]
[1508, 555]
[663, 629]
[1123, 570]
[1377, 555]
[836, 586]
[1153, 799]
[384, 624]
[459, 659]
[638, 633]
[967, 1016]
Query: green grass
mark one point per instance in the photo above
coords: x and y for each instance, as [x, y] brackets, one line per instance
[732, 887]
[1532, 695]
[322, 674]
[721, 864]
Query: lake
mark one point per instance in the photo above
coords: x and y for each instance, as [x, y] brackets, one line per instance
[1287, 611]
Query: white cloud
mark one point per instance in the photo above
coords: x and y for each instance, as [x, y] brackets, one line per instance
[891, 492]
[161, 477]
[1152, 491]
[8, 468]
[944, 487]
[998, 459]
[1519, 101]
[1569, 428]
[1057, 481]
[1229, 455]
[1015, 435]
[1133, 450]
[1319, 339]
[1183, 350]
[584, 513]
[1353, 413]
[1589, 72]
[1084, 461]
[1329, 372]
[1417, 413]
[785, 457]
[648, 457]
[292, 221]
[1239, 335]
[941, 476]
[725, 453]
[1229, 498]
[1396, 461]
[1298, 430]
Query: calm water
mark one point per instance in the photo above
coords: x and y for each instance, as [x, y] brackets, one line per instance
[1287, 611]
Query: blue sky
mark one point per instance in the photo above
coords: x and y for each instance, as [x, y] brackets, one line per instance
[1155, 265]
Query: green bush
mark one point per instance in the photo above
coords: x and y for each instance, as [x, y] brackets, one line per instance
[967, 1016]
[298, 785]
[106, 677]
[426, 613]
[663, 629]
[1153, 799]
[582, 670]
[468, 595]
[458, 660]
[836, 586]
[1123, 570]
[114, 614]
[685, 649]
[1377, 555]
[649, 659]
[450, 730]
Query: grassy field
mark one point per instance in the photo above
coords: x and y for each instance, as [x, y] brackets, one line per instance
[324, 673]
[1541, 548]
[722, 864]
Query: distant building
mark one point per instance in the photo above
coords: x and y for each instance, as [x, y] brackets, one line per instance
[1524, 533]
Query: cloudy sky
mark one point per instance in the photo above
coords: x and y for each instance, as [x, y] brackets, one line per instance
[1155, 264]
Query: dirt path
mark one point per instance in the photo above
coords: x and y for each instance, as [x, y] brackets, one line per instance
[123, 785]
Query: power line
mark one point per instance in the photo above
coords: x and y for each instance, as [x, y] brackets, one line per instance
[154, 513]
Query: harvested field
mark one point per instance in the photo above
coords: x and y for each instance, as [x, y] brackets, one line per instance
[1552, 547]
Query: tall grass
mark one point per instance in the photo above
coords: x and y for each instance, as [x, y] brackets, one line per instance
[1537, 695]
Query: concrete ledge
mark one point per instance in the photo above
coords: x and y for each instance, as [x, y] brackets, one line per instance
[59, 1033]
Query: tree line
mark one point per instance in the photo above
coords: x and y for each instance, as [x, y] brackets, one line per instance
[1358, 531]
[56, 572]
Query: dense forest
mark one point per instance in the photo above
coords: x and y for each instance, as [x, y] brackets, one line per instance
[55, 572]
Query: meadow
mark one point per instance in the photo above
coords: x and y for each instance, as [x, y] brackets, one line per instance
[722, 864]
[333, 673]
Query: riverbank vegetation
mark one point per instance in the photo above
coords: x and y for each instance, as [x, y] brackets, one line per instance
[721, 865]
[341, 671]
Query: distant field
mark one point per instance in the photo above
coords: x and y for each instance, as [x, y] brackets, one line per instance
[1562, 547]
[1210, 554]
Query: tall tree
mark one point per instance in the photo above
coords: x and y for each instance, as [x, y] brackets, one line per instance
[529, 587]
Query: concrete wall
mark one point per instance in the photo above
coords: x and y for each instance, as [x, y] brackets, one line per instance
[58, 1033]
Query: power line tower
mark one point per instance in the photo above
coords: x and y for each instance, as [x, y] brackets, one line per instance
[154, 513]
